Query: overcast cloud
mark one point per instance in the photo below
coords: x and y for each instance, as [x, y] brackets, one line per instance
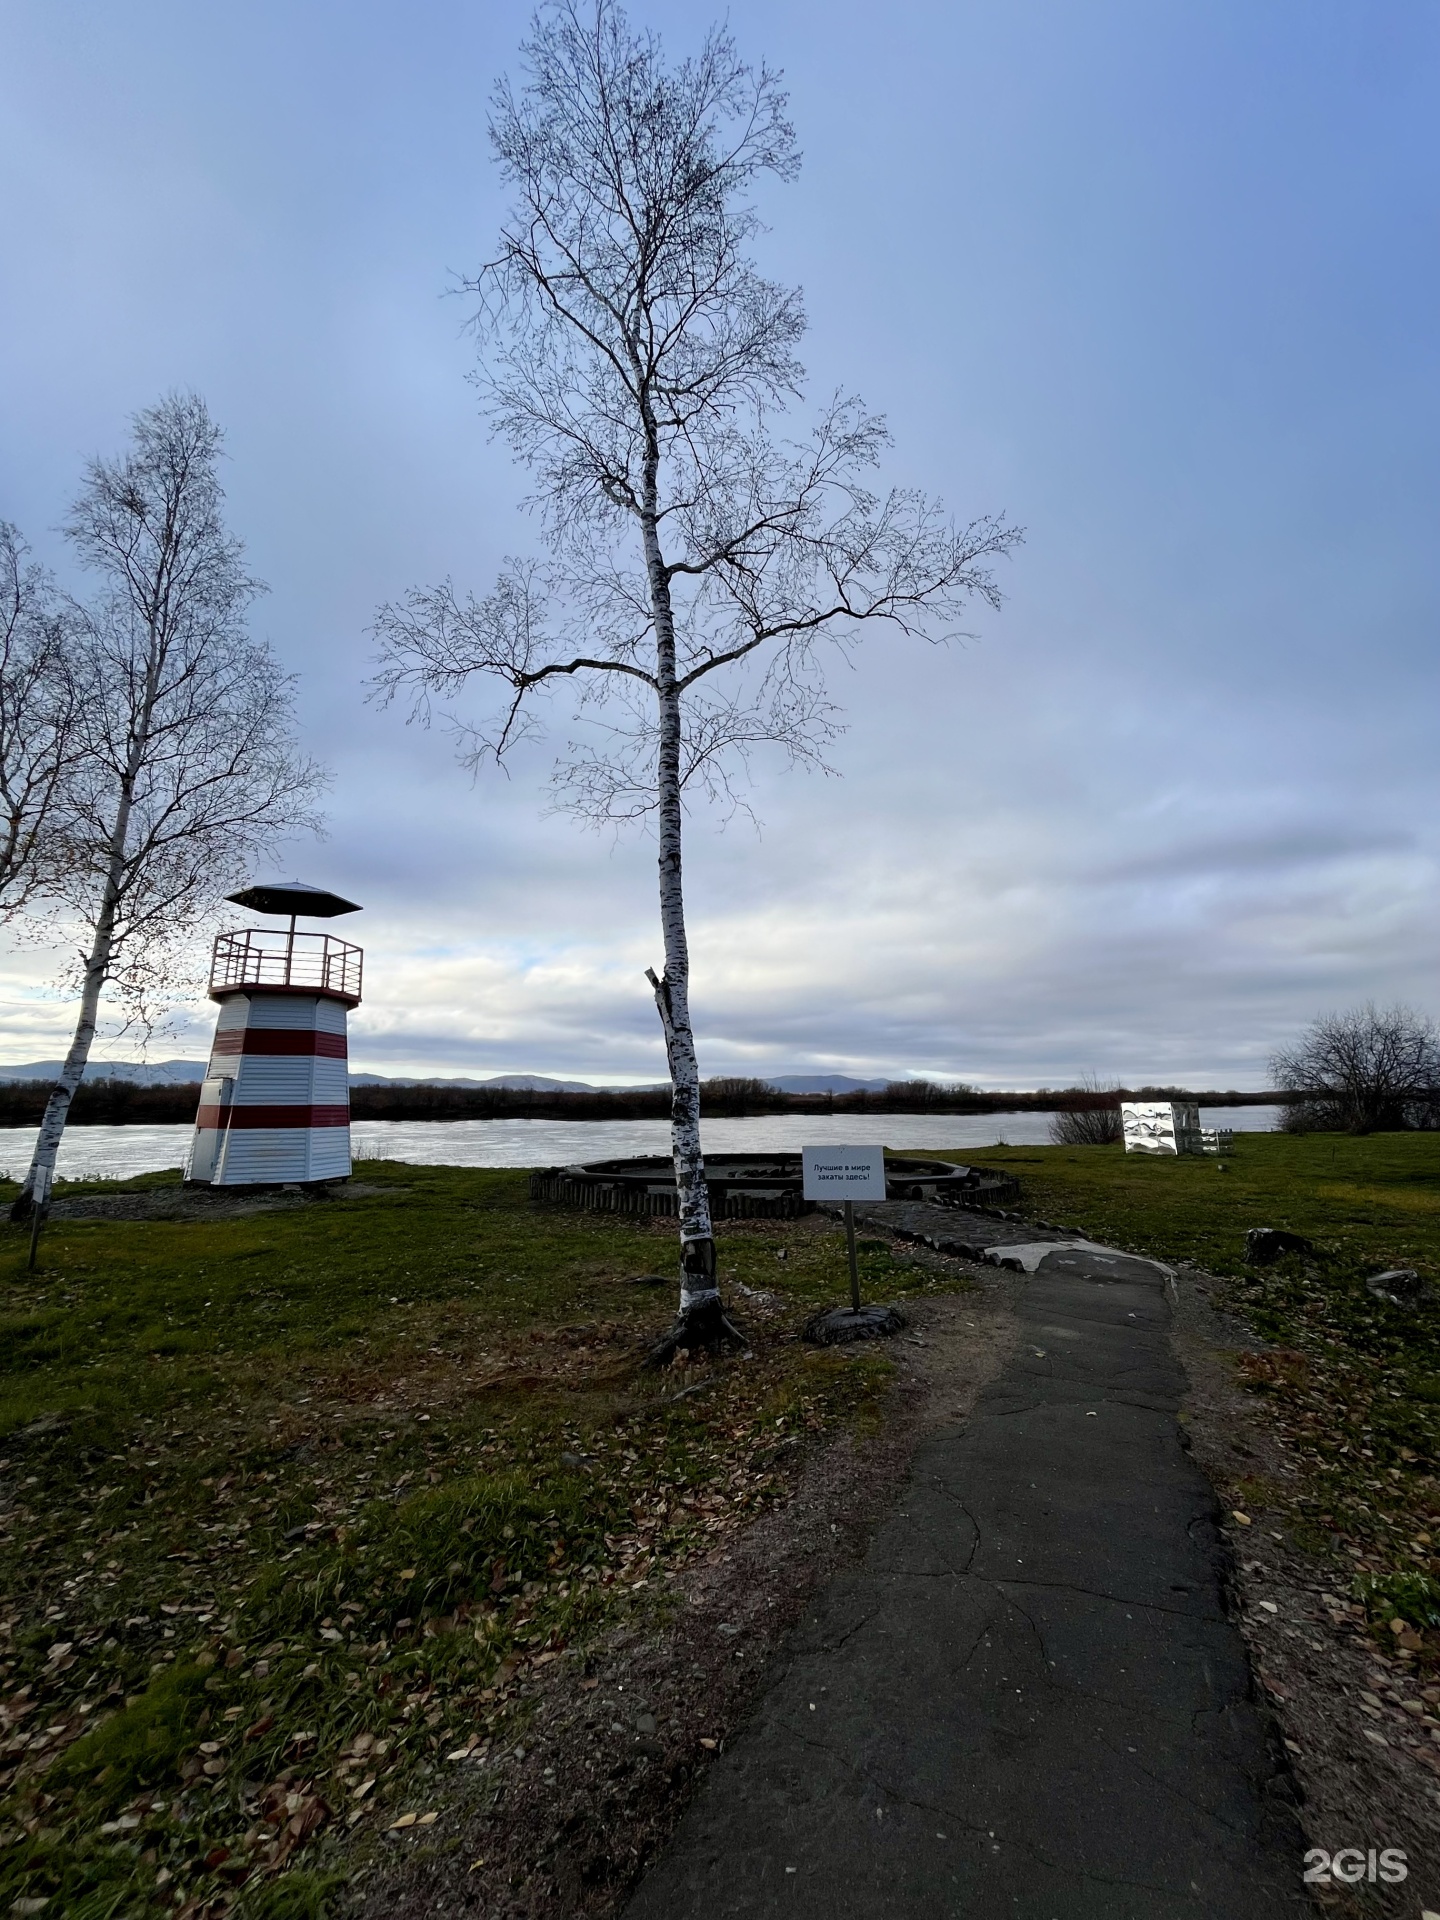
[1159, 282]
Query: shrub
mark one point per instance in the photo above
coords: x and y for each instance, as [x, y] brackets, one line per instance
[1367, 1070]
[1091, 1118]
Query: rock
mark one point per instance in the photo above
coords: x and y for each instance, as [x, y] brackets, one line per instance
[835, 1326]
[1398, 1285]
[47, 1423]
[1264, 1244]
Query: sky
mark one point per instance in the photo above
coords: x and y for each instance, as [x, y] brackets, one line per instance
[1157, 281]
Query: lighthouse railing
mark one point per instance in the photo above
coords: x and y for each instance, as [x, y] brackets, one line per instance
[308, 962]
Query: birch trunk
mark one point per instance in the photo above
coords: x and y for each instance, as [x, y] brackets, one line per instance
[38, 1181]
[41, 1177]
[701, 1319]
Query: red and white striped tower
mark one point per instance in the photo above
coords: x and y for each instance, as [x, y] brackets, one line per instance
[275, 1106]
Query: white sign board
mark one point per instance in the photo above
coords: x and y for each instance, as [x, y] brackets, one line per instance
[844, 1173]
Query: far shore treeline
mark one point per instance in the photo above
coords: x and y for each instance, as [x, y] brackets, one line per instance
[122, 1102]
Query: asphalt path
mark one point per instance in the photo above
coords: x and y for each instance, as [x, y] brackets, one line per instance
[1028, 1701]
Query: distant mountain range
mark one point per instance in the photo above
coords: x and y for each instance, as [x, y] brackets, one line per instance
[168, 1073]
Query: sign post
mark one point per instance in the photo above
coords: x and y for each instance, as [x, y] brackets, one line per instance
[846, 1174]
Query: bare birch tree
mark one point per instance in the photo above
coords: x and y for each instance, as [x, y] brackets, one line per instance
[638, 362]
[37, 725]
[186, 768]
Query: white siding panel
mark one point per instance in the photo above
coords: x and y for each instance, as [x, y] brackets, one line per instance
[330, 1016]
[275, 1079]
[265, 1153]
[331, 1083]
[293, 1011]
[329, 1153]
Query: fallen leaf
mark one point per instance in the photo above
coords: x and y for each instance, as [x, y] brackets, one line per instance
[1242, 1518]
[405, 1820]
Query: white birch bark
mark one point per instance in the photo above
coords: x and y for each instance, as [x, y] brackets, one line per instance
[41, 1177]
[699, 1292]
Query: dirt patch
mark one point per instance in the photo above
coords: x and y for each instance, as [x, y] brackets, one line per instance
[1362, 1737]
[207, 1203]
[560, 1817]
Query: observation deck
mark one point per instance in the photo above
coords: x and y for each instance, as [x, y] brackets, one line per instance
[291, 962]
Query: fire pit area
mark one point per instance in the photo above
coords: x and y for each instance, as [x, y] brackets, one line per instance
[754, 1186]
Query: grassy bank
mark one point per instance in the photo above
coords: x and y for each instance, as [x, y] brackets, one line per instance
[293, 1501]
[1354, 1382]
[295, 1504]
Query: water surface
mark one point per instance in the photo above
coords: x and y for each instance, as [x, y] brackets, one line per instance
[115, 1153]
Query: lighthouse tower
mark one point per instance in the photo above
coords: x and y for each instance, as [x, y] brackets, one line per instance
[275, 1106]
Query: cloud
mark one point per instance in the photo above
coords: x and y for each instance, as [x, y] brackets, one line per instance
[1147, 283]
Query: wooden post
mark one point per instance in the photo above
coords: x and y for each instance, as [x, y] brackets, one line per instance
[854, 1262]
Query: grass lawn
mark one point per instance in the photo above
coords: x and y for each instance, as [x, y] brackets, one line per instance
[1354, 1382]
[290, 1504]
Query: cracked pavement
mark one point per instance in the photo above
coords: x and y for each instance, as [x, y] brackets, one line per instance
[1029, 1700]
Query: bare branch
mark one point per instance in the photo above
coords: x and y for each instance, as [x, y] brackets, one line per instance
[37, 726]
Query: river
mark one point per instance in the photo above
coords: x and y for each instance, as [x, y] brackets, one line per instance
[116, 1153]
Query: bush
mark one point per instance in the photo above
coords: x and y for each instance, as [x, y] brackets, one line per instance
[1364, 1071]
[1086, 1127]
[1092, 1117]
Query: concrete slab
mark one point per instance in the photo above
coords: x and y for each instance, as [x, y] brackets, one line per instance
[1029, 1700]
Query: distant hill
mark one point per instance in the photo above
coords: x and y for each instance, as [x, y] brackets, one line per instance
[169, 1073]
[520, 1082]
[826, 1083]
[162, 1073]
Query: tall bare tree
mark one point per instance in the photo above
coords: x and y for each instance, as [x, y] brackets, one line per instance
[638, 363]
[37, 724]
[1366, 1070]
[186, 768]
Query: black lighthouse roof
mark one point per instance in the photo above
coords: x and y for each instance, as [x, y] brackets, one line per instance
[293, 897]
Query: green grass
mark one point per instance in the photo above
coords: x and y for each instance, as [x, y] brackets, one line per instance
[291, 1505]
[1354, 1382]
[1372, 1201]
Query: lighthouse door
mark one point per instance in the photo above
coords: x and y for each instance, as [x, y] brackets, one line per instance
[209, 1139]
